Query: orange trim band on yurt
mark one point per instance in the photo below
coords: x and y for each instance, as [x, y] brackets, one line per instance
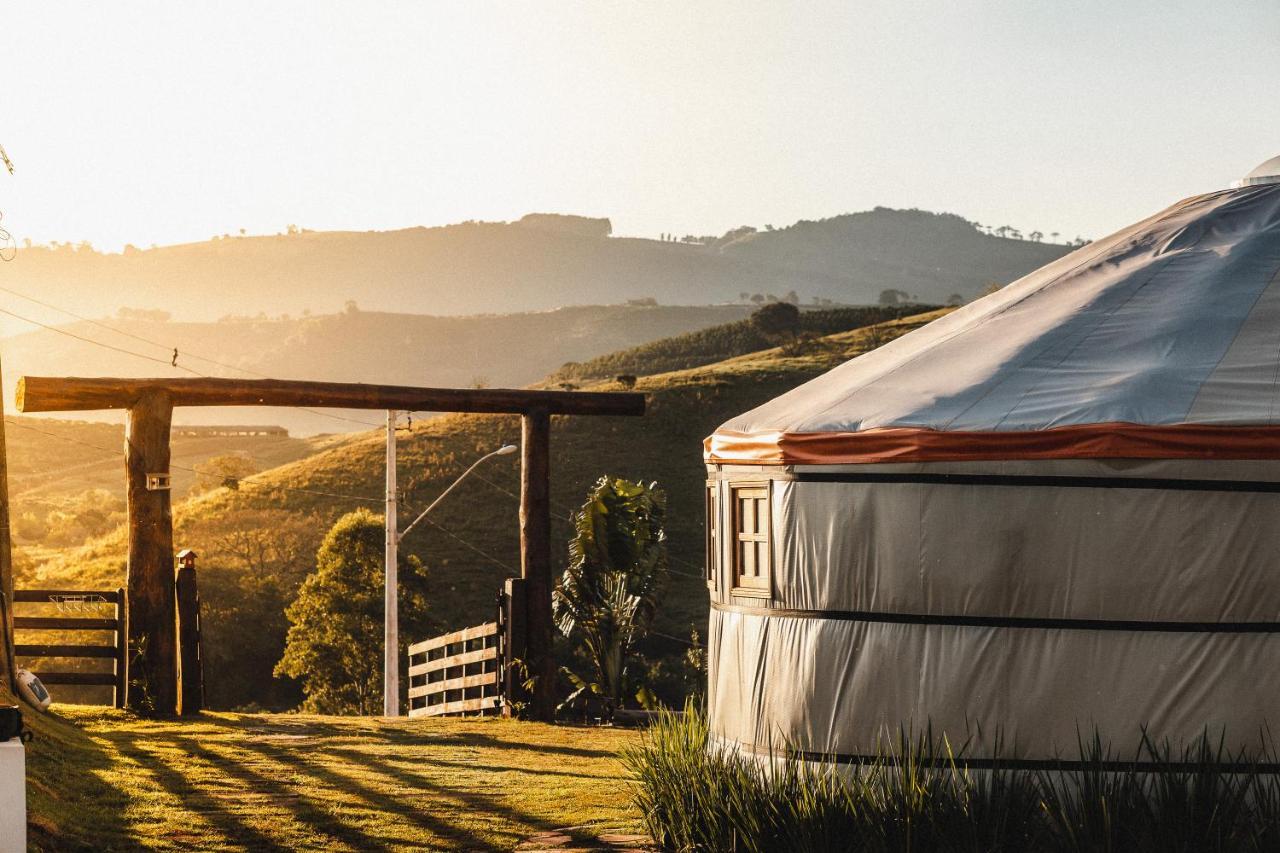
[1086, 441]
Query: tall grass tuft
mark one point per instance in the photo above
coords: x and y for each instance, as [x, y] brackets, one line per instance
[915, 794]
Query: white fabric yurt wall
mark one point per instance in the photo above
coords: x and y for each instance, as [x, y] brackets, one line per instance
[1053, 511]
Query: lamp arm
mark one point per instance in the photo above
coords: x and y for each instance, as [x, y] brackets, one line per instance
[474, 465]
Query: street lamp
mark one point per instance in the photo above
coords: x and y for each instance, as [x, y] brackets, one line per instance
[391, 620]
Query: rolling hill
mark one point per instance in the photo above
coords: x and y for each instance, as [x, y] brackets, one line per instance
[535, 264]
[472, 540]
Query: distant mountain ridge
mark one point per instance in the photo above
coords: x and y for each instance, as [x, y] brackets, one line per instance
[541, 262]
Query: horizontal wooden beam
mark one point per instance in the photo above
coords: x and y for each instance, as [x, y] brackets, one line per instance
[103, 679]
[45, 650]
[71, 394]
[488, 629]
[463, 706]
[45, 596]
[69, 623]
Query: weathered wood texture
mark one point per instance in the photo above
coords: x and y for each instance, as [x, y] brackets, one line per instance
[86, 601]
[53, 596]
[7, 670]
[514, 635]
[456, 673]
[153, 646]
[68, 394]
[190, 662]
[535, 560]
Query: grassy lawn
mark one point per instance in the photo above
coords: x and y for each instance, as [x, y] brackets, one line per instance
[104, 780]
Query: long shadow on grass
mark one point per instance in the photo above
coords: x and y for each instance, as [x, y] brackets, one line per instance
[303, 810]
[232, 828]
[404, 734]
[414, 780]
[387, 803]
[70, 805]
[495, 768]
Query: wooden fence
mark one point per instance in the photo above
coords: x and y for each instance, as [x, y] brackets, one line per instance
[82, 603]
[470, 671]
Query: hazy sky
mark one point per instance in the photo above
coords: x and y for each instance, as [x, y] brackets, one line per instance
[161, 123]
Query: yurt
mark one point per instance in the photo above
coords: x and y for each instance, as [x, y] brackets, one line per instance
[1052, 513]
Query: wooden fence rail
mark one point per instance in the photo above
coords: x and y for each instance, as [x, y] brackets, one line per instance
[79, 600]
[455, 673]
[475, 670]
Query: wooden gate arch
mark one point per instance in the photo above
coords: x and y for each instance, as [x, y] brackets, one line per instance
[150, 404]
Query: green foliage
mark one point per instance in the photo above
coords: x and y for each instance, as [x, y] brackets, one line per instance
[777, 321]
[609, 593]
[915, 794]
[334, 644]
[68, 520]
[225, 471]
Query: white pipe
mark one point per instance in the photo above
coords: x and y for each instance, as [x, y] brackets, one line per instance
[391, 620]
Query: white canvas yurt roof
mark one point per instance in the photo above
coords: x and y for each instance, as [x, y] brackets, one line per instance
[1160, 342]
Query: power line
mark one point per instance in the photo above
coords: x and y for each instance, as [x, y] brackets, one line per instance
[678, 639]
[502, 565]
[563, 520]
[60, 331]
[171, 362]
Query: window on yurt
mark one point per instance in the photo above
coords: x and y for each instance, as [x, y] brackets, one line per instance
[751, 553]
[713, 533]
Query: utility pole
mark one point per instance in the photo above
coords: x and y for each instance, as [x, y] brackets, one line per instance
[391, 618]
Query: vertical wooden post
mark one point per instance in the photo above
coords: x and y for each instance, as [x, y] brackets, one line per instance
[515, 630]
[153, 662]
[8, 671]
[535, 559]
[190, 659]
[122, 648]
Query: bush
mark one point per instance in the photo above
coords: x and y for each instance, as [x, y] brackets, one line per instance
[917, 795]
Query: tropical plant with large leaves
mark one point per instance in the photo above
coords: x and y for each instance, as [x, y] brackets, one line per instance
[609, 594]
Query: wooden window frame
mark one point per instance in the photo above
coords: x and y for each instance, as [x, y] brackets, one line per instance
[711, 568]
[763, 533]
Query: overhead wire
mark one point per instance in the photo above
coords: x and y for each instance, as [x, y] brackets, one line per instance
[564, 520]
[171, 361]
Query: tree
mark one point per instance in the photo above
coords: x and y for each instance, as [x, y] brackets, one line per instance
[225, 471]
[757, 298]
[608, 595]
[893, 297]
[626, 380]
[334, 645]
[777, 321]
[1036, 236]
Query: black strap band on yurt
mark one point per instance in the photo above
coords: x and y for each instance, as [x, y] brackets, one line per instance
[1059, 481]
[1005, 621]
[1025, 764]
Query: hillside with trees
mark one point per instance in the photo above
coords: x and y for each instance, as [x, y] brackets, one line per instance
[538, 263]
[727, 340]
